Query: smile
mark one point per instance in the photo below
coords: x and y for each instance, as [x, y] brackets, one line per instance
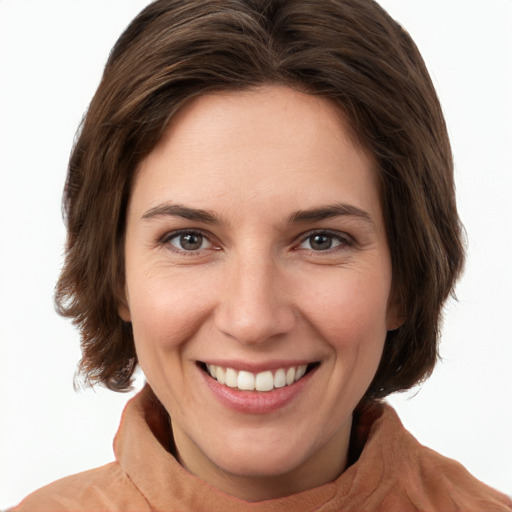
[262, 381]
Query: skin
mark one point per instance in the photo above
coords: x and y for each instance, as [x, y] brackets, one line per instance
[260, 287]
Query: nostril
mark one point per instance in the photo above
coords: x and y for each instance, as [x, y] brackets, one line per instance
[253, 317]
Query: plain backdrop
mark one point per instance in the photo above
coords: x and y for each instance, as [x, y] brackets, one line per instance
[51, 58]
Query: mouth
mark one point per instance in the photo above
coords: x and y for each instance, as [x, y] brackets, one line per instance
[263, 381]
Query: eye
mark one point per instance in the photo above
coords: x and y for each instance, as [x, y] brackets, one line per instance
[188, 241]
[324, 240]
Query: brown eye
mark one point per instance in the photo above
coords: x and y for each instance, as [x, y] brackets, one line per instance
[189, 241]
[323, 241]
[320, 242]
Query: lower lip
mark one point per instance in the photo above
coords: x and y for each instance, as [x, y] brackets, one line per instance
[256, 402]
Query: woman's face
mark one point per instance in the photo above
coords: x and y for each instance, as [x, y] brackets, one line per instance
[255, 249]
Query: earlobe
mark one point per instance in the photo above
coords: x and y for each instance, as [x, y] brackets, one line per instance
[124, 312]
[123, 308]
[395, 317]
[395, 324]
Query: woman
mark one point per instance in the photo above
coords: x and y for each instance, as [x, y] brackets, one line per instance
[261, 214]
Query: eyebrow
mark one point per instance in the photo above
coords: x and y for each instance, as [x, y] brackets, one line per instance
[178, 210]
[330, 211]
[209, 217]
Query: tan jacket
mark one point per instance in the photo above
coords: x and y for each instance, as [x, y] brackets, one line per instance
[392, 472]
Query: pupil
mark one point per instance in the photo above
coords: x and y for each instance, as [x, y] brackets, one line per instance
[321, 242]
[190, 241]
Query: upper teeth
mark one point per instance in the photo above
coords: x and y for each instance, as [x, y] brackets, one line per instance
[263, 381]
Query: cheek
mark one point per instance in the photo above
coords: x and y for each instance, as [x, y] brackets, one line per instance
[165, 310]
[165, 315]
[350, 316]
[355, 331]
[349, 309]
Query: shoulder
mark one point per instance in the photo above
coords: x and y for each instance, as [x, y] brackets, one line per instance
[106, 488]
[399, 473]
[449, 485]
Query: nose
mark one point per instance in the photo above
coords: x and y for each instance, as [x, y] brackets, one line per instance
[254, 306]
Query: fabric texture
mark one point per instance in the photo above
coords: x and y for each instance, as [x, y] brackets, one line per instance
[390, 472]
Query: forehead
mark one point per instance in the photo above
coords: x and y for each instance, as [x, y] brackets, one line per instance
[273, 143]
[268, 116]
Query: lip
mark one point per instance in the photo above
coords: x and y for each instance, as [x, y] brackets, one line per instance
[256, 402]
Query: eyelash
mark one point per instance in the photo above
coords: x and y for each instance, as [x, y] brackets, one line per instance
[165, 241]
[343, 240]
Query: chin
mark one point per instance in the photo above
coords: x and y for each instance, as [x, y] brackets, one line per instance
[248, 456]
[261, 465]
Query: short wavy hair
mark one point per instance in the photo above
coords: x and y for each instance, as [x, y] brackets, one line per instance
[349, 51]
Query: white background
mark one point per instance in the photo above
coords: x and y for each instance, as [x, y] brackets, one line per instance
[51, 57]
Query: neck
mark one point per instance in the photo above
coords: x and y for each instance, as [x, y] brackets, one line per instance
[324, 466]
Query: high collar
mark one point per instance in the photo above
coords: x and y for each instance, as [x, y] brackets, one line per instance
[143, 447]
[389, 470]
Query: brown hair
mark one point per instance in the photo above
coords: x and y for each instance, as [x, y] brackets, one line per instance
[349, 51]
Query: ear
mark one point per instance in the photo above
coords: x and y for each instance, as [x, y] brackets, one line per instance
[395, 317]
[124, 313]
[123, 308]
